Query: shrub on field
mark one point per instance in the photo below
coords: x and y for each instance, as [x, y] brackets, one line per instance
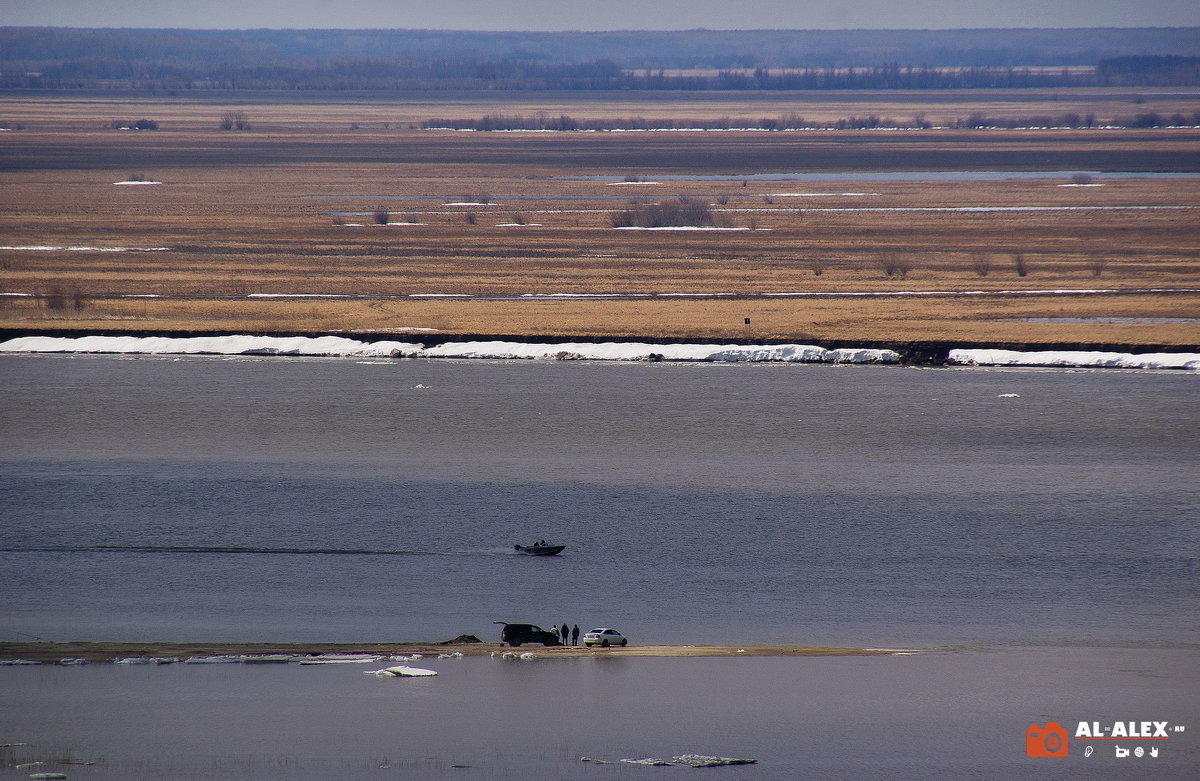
[981, 263]
[1021, 266]
[682, 212]
[59, 300]
[895, 266]
[235, 120]
[381, 217]
[470, 218]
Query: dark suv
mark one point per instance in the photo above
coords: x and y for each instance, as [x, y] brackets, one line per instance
[515, 634]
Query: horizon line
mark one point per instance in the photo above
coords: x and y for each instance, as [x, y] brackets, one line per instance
[601, 31]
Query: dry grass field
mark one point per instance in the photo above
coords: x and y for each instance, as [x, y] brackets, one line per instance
[275, 229]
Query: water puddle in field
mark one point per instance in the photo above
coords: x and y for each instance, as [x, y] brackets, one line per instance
[895, 176]
[1135, 320]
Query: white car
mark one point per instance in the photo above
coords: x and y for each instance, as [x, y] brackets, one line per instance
[604, 638]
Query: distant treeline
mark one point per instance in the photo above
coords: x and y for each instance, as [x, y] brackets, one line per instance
[595, 75]
[64, 58]
[563, 122]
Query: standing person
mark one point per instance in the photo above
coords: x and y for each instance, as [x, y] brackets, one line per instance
[566, 630]
[575, 635]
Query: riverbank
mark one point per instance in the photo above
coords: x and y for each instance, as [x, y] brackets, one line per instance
[329, 345]
[983, 239]
[100, 652]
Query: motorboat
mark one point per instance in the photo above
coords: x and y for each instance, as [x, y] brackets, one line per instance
[539, 549]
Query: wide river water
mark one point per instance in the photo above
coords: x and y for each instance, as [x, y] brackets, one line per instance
[1041, 523]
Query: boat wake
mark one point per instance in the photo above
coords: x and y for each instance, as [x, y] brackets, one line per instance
[223, 549]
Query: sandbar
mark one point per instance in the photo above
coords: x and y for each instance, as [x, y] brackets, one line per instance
[50, 653]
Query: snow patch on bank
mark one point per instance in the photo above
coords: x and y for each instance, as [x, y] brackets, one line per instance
[635, 351]
[51, 248]
[339, 346]
[344, 347]
[1075, 359]
[208, 345]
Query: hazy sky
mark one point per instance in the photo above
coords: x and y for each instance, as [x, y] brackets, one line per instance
[601, 14]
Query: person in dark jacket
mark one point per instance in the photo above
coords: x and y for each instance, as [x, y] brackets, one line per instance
[575, 635]
[566, 630]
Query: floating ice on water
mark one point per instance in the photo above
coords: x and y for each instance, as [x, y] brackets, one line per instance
[699, 760]
[341, 659]
[691, 760]
[403, 671]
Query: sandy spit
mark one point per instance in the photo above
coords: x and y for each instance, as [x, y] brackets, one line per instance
[51, 653]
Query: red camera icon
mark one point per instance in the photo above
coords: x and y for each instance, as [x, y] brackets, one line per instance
[1047, 741]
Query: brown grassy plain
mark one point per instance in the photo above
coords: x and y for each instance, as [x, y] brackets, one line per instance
[263, 227]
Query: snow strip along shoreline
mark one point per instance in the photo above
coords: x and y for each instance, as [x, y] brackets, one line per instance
[1075, 359]
[338, 346]
[343, 347]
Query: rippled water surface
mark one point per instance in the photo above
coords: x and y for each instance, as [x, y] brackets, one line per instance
[1042, 523]
[294, 499]
[932, 716]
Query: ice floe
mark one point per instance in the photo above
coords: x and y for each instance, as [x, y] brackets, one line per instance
[690, 760]
[403, 671]
[341, 659]
[700, 760]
